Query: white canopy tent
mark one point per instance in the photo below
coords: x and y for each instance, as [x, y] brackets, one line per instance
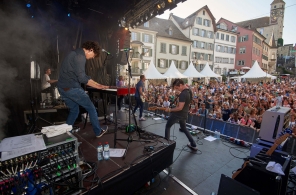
[173, 72]
[191, 72]
[152, 72]
[256, 72]
[208, 73]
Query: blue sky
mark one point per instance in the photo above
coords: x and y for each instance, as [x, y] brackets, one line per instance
[241, 10]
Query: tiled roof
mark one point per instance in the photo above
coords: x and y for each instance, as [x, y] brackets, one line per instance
[255, 23]
[161, 26]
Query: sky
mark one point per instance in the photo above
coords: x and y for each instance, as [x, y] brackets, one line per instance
[237, 11]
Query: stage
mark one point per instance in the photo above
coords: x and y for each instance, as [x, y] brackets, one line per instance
[194, 172]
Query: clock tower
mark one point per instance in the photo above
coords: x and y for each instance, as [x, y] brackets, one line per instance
[277, 12]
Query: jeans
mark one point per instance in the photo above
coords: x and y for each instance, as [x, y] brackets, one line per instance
[174, 119]
[140, 104]
[119, 102]
[75, 97]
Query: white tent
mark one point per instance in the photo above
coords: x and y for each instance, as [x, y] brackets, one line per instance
[152, 72]
[256, 72]
[191, 72]
[173, 72]
[207, 71]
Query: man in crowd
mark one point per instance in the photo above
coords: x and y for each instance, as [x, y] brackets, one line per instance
[140, 96]
[72, 74]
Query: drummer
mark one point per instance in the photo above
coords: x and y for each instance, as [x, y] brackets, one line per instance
[46, 81]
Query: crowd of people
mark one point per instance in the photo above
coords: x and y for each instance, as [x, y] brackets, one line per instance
[233, 102]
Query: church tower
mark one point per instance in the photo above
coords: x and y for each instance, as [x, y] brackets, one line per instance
[277, 12]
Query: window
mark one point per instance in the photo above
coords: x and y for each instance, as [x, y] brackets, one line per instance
[218, 59]
[147, 38]
[227, 38]
[195, 31]
[217, 35]
[225, 60]
[225, 49]
[184, 51]
[203, 33]
[170, 31]
[210, 46]
[207, 23]
[183, 65]
[210, 57]
[203, 12]
[233, 50]
[231, 60]
[229, 50]
[146, 24]
[135, 67]
[199, 20]
[162, 47]
[222, 36]
[217, 70]
[162, 63]
[257, 40]
[244, 38]
[135, 36]
[233, 39]
[202, 45]
[218, 47]
[195, 43]
[241, 62]
[174, 49]
[242, 50]
[145, 65]
[147, 52]
[225, 71]
[223, 26]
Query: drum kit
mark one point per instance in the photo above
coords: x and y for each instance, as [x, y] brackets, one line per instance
[51, 97]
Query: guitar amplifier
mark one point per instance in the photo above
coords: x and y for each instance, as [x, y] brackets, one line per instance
[266, 182]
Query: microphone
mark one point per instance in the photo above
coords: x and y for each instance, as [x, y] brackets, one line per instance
[108, 53]
[126, 49]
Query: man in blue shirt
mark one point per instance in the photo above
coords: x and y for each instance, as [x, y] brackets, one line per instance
[72, 74]
[140, 89]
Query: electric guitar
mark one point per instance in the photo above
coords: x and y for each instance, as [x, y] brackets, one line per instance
[153, 108]
[277, 142]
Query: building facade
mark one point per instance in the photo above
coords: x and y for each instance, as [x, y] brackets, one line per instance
[200, 27]
[224, 49]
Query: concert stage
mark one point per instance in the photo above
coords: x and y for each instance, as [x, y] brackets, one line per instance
[128, 174]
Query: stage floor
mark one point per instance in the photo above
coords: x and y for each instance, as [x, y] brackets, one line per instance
[200, 171]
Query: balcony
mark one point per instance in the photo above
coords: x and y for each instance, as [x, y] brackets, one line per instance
[136, 71]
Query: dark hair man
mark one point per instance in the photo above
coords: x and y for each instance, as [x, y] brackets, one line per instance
[139, 95]
[179, 113]
[72, 74]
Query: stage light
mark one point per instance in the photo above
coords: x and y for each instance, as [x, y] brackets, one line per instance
[123, 22]
[32, 16]
[28, 5]
[126, 28]
[162, 4]
[146, 17]
[69, 14]
[170, 1]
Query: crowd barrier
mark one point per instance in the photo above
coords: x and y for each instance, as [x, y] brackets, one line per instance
[247, 134]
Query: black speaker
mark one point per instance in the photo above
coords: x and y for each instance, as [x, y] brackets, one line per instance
[266, 182]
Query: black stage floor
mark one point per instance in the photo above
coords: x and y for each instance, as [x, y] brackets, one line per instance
[199, 171]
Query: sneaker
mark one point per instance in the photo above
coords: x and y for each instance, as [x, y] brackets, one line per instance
[191, 147]
[134, 114]
[180, 130]
[142, 119]
[103, 131]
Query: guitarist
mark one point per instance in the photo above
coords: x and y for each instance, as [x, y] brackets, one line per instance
[179, 113]
[140, 97]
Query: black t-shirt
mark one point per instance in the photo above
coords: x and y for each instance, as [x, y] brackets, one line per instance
[184, 97]
[225, 114]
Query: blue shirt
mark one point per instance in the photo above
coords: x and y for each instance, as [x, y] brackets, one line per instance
[138, 85]
[72, 71]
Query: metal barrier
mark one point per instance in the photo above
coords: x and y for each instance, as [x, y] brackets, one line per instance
[245, 133]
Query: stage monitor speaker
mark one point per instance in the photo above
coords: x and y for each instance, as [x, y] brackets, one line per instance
[229, 186]
[266, 182]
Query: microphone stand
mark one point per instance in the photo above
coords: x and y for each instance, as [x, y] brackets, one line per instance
[130, 138]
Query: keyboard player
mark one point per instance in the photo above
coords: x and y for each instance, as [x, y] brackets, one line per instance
[72, 74]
